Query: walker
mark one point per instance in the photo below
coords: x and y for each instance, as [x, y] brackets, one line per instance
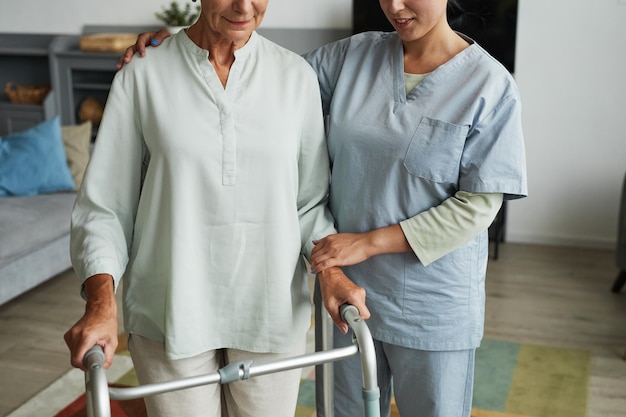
[98, 392]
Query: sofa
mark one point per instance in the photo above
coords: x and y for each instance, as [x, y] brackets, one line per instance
[40, 170]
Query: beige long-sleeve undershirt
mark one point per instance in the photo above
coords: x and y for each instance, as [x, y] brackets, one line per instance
[439, 230]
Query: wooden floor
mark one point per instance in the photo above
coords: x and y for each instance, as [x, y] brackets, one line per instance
[535, 294]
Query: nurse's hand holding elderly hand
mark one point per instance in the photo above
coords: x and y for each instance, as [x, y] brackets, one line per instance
[344, 249]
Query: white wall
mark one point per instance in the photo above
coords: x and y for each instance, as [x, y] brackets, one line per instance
[69, 16]
[571, 70]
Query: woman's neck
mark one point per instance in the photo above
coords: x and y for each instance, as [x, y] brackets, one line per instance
[221, 50]
[426, 54]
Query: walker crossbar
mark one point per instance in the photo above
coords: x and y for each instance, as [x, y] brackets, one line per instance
[99, 393]
[259, 369]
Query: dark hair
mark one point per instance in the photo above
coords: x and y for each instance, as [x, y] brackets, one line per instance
[491, 23]
[459, 15]
[454, 9]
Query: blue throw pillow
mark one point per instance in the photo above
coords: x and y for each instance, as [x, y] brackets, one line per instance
[34, 162]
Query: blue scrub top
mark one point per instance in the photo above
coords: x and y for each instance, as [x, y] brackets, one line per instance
[395, 155]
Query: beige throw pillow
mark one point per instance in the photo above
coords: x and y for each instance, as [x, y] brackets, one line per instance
[77, 139]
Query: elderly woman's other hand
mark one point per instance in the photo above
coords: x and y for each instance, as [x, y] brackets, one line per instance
[337, 289]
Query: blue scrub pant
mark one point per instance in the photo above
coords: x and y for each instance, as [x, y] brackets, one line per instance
[424, 383]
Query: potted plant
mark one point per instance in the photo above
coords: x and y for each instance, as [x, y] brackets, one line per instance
[176, 17]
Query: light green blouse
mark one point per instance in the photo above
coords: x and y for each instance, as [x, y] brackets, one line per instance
[209, 246]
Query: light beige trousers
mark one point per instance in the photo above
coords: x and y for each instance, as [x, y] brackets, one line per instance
[272, 395]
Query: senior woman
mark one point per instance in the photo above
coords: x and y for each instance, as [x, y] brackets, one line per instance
[207, 185]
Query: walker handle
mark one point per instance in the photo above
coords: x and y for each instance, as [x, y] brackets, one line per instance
[97, 389]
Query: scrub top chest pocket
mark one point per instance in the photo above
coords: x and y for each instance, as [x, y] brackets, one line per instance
[435, 150]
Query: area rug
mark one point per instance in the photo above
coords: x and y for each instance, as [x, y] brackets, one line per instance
[512, 380]
[531, 380]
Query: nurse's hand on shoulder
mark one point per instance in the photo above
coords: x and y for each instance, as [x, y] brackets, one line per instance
[143, 40]
[337, 289]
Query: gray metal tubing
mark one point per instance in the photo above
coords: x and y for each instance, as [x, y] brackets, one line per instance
[350, 314]
[213, 378]
[97, 390]
[371, 392]
[328, 378]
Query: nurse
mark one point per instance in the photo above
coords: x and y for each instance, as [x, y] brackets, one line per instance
[426, 142]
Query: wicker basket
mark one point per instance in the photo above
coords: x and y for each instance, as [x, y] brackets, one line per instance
[107, 42]
[26, 94]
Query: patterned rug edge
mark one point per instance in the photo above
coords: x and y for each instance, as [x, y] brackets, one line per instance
[66, 389]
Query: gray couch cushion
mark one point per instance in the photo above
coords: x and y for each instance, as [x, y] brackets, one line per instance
[33, 268]
[29, 223]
